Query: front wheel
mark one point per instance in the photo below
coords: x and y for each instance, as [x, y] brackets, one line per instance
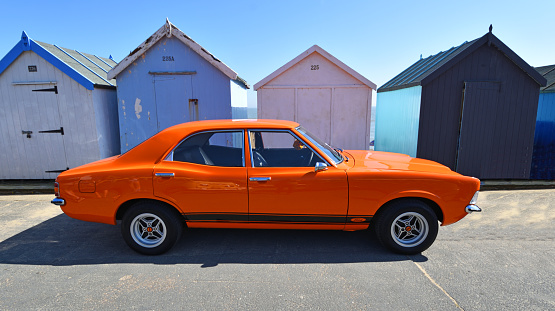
[407, 227]
[151, 228]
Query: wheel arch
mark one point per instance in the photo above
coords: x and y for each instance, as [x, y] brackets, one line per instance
[124, 207]
[431, 203]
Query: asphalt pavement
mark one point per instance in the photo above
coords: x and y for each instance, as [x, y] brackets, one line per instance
[500, 259]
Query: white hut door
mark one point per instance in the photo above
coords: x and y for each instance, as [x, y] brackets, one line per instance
[41, 130]
[174, 101]
[314, 111]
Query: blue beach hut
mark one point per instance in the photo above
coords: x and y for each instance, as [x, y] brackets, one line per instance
[543, 158]
[171, 79]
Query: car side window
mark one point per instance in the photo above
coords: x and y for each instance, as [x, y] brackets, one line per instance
[212, 148]
[280, 149]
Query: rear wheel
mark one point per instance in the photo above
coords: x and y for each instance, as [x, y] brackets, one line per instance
[407, 227]
[151, 228]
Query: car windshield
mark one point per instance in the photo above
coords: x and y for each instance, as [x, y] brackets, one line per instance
[329, 151]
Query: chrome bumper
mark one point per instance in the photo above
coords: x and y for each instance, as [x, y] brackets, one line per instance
[472, 208]
[59, 202]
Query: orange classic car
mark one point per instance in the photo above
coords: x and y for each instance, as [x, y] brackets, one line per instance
[263, 174]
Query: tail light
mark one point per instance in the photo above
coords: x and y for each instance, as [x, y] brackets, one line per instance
[56, 189]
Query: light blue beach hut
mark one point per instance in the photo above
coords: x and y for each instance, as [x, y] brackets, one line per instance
[171, 79]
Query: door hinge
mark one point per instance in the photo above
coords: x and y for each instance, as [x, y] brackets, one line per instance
[57, 171]
[54, 89]
[61, 131]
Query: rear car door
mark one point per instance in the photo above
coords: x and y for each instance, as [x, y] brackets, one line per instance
[206, 177]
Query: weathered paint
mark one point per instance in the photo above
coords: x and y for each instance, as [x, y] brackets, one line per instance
[327, 97]
[543, 159]
[161, 99]
[80, 111]
[397, 119]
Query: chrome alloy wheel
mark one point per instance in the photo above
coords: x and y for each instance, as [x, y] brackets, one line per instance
[409, 229]
[148, 230]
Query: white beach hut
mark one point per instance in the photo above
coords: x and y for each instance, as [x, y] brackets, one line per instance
[323, 94]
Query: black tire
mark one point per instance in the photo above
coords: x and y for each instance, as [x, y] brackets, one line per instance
[151, 228]
[407, 227]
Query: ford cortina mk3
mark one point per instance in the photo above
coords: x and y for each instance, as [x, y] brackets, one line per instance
[263, 174]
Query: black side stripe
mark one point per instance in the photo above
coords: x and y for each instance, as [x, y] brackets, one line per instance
[280, 218]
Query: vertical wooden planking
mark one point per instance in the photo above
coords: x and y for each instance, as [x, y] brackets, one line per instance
[312, 74]
[543, 160]
[349, 115]
[510, 124]
[136, 87]
[105, 105]
[314, 111]
[398, 119]
[277, 104]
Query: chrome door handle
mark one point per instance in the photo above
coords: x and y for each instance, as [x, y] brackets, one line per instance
[260, 178]
[164, 174]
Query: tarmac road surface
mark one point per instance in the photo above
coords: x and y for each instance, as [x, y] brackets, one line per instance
[500, 259]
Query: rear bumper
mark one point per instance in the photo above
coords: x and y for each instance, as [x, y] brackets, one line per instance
[471, 208]
[58, 201]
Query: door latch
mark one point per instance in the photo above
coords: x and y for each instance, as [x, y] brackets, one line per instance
[28, 133]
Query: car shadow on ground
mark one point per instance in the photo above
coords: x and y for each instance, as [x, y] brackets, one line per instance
[62, 241]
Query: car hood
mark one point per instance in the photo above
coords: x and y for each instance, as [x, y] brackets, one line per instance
[383, 161]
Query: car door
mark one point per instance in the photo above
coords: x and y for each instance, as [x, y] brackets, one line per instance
[285, 190]
[206, 177]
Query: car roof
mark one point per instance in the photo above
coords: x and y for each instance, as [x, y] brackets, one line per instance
[153, 148]
[234, 124]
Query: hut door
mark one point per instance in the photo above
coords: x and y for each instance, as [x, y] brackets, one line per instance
[476, 133]
[173, 93]
[42, 151]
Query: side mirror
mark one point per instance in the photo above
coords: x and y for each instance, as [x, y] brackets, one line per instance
[320, 166]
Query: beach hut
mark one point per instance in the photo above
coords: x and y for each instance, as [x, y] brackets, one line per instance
[471, 107]
[543, 158]
[323, 94]
[171, 79]
[58, 110]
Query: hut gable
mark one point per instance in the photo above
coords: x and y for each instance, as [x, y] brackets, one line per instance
[331, 71]
[86, 69]
[425, 70]
[169, 30]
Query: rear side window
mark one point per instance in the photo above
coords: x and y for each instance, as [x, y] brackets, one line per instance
[212, 148]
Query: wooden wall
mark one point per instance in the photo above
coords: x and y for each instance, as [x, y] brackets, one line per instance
[322, 97]
[543, 159]
[22, 109]
[143, 111]
[511, 126]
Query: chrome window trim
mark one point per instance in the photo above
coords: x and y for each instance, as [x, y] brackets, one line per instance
[169, 157]
[281, 130]
[342, 157]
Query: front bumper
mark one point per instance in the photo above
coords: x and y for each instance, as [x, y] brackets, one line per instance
[471, 208]
[58, 201]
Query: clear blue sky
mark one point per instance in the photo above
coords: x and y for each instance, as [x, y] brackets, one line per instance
[378, 39]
